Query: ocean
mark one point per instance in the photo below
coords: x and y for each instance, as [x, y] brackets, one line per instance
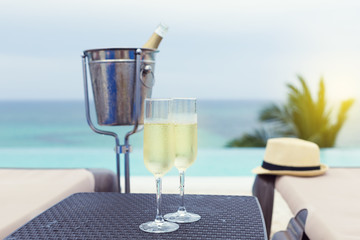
[54, 134]
[63, 124]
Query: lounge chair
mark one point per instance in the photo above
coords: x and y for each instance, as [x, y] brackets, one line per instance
[25, 193]
[330, 199]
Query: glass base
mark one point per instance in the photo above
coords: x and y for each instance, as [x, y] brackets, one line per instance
[182, 217]
[159, 227]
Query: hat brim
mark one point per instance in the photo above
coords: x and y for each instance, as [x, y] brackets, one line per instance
[322, 170]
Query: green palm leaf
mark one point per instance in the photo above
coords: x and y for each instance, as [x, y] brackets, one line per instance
[301, 116]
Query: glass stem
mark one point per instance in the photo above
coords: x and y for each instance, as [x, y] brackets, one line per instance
[182, 190]
[159, 218]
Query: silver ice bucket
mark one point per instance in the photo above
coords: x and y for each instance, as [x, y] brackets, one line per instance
[121, 79]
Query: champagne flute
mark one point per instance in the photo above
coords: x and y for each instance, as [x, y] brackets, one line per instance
[159, 154]
[185, 119]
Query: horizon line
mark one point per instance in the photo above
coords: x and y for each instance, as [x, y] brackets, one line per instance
[91, 100]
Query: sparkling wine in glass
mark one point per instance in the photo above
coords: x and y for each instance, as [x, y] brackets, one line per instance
[159, 154]
[185, 125]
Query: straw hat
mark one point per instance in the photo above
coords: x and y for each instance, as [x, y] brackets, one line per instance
[291, 156]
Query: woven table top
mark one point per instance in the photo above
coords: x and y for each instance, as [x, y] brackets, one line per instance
[118, 216]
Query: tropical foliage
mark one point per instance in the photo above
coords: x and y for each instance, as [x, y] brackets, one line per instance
[301, 116]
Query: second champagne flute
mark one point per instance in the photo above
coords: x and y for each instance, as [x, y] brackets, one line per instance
[185, 124]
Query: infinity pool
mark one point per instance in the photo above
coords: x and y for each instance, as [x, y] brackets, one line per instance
[210, 162]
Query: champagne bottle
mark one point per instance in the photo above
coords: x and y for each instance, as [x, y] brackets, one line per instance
[156, 37]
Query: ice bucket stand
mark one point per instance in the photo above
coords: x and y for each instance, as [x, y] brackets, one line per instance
[119, 149]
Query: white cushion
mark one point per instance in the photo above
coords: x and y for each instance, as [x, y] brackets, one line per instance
[25, 193]
[332, 201]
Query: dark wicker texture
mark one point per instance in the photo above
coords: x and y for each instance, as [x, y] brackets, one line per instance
[118, 216]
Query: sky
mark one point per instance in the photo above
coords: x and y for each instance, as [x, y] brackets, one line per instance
[226, 49]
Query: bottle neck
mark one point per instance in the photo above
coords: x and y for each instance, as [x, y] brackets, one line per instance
[156, 37]
[153, 42]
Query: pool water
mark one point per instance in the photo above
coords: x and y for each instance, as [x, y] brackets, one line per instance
[210, 162]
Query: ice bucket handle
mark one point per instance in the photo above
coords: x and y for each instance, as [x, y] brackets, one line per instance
[145, 71]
